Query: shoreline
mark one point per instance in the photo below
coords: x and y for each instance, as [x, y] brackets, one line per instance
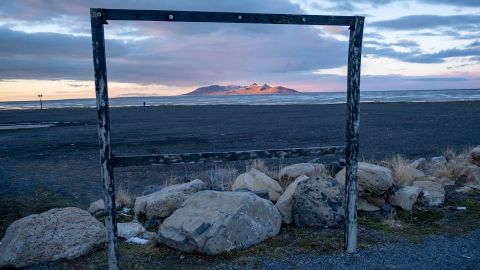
[230, 104]
[63, 159]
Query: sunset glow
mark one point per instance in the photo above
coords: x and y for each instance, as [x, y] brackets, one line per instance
[420, 44]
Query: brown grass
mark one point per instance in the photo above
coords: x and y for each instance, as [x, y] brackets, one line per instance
[222, 178]
[259, 165]
[456, 163]
[403, 172]
[124, 197]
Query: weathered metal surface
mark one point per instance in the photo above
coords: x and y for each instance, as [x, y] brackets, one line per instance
[122, 161]
[225, 17]
[353, 123]
[106, 165]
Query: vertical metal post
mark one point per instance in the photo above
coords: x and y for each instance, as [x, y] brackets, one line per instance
[353, 122]
[101, 91]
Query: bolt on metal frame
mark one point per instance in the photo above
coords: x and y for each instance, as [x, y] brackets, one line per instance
[108, 161]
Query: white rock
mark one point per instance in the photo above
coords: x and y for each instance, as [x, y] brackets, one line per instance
[372, 179]
[363, 205]
[97, 208]
[61, 233]
[138, 241]
[419, 163]
[405, 197]
[284, 202]
[256, 180]
[470, 176]
[162, 203]
[432, 193]
[130, 229]
[213, 222]
[289, 173]
[440, 160]
[475, 156]
[465, 190]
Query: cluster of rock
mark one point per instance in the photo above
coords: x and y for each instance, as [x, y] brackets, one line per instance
[192, 218]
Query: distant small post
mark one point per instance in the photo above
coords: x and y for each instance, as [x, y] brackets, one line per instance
[40, 96]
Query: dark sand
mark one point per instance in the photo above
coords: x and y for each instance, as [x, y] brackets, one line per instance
[58, 166]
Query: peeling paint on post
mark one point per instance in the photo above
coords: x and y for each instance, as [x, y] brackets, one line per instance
[353, 122]
[101, 91]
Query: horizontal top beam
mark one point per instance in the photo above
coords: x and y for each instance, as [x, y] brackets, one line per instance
[221, 17]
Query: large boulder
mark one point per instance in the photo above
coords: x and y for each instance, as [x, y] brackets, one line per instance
[285, 202]
[61, 233]
[470, 177]
[289, 173]
[371, 179]
[475, 156]
[256, 180]
[432, 193]
[405, 197]
[318, 202]
[129, 229]
[213, 222]
[162, 203]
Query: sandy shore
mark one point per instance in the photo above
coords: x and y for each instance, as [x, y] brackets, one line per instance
[57, 166]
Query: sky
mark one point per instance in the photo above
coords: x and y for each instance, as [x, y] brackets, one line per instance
[45, 47]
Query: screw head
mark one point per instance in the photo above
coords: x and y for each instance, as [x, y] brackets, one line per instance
[240, 17]
[99, 14]
[170, 17]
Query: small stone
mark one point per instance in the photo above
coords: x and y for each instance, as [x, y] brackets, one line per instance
[461, 208]
[289, 173]
[405, 197]
[475, 156]
[129, 230]
[432, 193]
[363, 205]
[419, 164]
[97, 208]
[138, 241]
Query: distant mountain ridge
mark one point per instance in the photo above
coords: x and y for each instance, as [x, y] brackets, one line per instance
[253, 89]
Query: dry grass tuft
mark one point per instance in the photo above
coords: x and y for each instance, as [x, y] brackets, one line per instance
[124, 198]
[403, 173]
[457, 161]
[222, 178]
[392, 221]
[259, 165]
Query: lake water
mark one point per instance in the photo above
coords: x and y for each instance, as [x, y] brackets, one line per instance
[303, 98]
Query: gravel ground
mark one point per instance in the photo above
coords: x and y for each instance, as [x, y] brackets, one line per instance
[436, 252]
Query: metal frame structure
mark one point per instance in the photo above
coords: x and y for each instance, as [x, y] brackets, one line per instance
[108, 161]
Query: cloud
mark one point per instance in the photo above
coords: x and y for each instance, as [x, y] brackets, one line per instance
[415, 55]
[466, 3]
[418, 22]
[169, 53]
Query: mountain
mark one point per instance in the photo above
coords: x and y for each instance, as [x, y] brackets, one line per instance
[253, 89]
